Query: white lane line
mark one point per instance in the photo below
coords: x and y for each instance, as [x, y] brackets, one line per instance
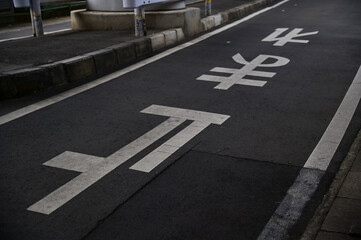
[74, 187]
[291, 207]
[29, 36]
[331, 139]
[200, 116]
[93, 168]
[74, 161]
[15, 38]
[47, 102]
[153, 159]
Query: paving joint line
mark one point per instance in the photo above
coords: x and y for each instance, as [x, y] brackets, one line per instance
[156, 175]
[248, 159]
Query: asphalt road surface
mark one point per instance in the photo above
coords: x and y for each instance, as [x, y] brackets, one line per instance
[25, 30]
[234, 135]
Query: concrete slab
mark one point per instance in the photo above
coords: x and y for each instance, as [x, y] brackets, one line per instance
[351, 187]
[356, 167]
[333, 236]
[349, 210]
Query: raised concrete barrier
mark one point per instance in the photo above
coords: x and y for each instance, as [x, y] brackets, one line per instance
[188, 19]
[29, 80]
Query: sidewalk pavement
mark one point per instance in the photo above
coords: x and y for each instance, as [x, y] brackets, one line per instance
[339, 215]
[34, 65]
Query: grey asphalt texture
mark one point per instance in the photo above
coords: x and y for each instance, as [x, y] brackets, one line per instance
[30, 52]
[225, 183]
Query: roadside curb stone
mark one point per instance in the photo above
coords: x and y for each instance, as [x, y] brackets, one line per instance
[30, 80]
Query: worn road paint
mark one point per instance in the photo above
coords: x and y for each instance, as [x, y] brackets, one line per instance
[281, 41]
[97, 168]
[291, 207]
[238, 75]
[60, 97]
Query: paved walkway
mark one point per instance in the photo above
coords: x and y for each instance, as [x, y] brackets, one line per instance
[343, 221]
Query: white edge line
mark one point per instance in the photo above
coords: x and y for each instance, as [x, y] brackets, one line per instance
[47, 102]
[30, 36]
[307, 181]
[326, 148]
[15, 38]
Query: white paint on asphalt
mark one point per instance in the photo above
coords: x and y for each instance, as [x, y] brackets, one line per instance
[291, 207]
[94, 168]
[28, 36]
[152, 160]
[281, 41]
[199, 116]
[238, 75]
[47, 102]
[74, 187]
[331, 139]
[74, 161]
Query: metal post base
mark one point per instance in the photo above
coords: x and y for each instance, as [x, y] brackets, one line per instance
[208, 7]
[139, 17]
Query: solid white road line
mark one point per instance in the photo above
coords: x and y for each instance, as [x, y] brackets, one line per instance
[200, 116]
[93, 168]
[74, 187]
[153, 159]
[291, 207]
[47, 102]
[331, 139]
[29, 36]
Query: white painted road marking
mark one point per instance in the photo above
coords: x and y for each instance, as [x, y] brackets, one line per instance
[331, 139]
[94, 168]
[60, 97]
[238, 75]
[310, 176]
[281, 41]
[153, 159]
[29, 36]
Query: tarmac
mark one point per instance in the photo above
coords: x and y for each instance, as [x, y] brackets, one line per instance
[33, 65]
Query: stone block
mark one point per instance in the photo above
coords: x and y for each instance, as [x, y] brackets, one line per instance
[125, 52]
[208, 23]
[170, 37]
[180, 34]
[157, 41]
[7, 87]
[351, 187]
[344, 217]
[217, 20]
[104, 59]
[56, 73]
[143, 46]
[79, 67]
[30, 80]
[188, 19]
[333, 236]
[97, 20]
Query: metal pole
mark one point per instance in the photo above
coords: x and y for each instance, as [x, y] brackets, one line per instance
[208, 7]
[36, 19]
[139, 17]
[32, 19]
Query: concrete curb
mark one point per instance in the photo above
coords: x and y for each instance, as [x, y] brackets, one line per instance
[18, 83]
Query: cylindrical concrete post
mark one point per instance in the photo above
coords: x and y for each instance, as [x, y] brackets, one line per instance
[36, 19]
[208, 7]
[139, 18]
